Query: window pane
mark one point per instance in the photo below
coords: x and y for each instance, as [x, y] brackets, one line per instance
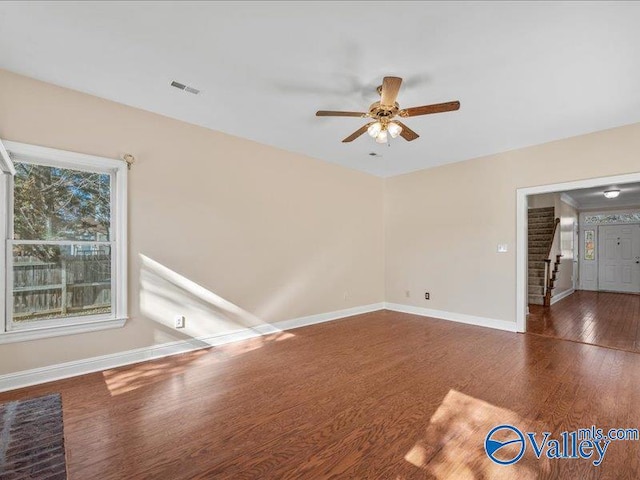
[52, 203]
[54, 281]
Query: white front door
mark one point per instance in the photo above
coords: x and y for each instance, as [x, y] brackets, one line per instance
[619, 258]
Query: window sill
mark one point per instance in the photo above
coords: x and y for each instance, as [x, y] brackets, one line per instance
[48, 332]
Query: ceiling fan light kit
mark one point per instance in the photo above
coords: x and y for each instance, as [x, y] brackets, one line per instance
[384, 112]
[394, 129]
[382, 130]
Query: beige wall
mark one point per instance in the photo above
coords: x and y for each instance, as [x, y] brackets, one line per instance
[277, 234]
[543, 200]
[232, 233]
[443, 224]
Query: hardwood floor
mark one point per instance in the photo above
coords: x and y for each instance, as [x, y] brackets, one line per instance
[378, 396]
[599, 318]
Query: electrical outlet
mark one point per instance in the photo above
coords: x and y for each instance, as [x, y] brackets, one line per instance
[345, 295]
[180, 321]
[426, 295]
[407, 293]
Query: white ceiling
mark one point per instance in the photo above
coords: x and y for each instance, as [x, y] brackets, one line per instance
[592, 198]
[525, 73]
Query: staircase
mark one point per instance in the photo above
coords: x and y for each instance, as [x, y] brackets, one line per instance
[542, 228]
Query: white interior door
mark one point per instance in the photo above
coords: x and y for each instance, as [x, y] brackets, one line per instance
[619, 258]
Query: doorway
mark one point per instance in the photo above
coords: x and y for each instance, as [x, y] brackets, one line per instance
[522, 204]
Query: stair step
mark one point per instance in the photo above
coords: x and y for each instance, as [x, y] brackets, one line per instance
[540, 237]
[536, 300]
[537, 281]
[540, 230]
[538, 246]
[540, 227]
[539, 224]
[536, 290]
[541, 218]
[531, 214]
[541, 211]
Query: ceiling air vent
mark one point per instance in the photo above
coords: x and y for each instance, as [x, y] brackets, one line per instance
[184, 87]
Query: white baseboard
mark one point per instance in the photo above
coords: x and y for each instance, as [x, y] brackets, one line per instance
[560, 296]
[36, 376]
[453, 316]
[60, 371]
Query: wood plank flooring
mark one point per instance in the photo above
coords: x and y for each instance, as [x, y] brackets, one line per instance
[599, 318]
[383, 395]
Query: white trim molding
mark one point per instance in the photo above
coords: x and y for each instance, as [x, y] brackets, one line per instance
[6, 165]
[60, 371]
[556, 298]
[35, 376]
[13, 331]
[59, 330]
[453, 316]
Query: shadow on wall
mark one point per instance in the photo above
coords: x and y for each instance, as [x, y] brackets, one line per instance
[453, 443]
[165, 294]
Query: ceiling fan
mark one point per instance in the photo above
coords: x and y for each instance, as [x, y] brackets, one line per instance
[383, 114]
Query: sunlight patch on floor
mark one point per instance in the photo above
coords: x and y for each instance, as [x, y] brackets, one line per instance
[453, 443]
[166, 371]
[126, 379]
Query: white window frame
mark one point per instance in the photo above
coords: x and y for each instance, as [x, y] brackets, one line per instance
[117, 169]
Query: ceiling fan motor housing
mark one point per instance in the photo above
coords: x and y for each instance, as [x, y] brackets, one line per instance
[383, 112]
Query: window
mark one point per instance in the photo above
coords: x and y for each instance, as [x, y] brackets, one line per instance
[65, 242]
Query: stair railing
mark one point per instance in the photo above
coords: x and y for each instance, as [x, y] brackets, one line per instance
[548, 281]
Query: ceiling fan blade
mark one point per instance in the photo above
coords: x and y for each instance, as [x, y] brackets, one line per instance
[427, 109]
[356, 134]
[331, 113]
[406, 132]
[390, 89]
